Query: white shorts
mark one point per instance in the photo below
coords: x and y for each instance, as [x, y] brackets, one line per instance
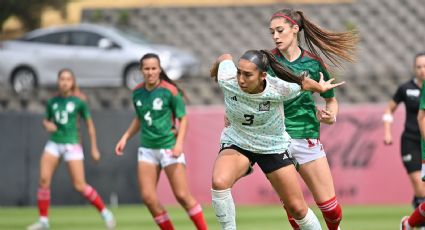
[69, 152]
[306, 150]
[162, 157]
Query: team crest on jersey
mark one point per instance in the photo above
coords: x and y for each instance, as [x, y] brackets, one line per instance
[413, 92]
[55, 106]
[264, 106]
[138, 103]
[157, 104]
[70, 106]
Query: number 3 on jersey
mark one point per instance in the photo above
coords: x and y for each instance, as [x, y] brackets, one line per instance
[249, 119]
[148, 118]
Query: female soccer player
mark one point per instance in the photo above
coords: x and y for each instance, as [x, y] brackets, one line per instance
[256, 133]
[409, 93]
[417, 218]
[158, 102]
[61, 120]
[302, 119]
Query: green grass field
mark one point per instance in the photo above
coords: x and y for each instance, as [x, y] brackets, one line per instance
[132, 217]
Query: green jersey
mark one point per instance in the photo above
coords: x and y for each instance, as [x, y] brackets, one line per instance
[256, 120]
[157, 110]
[65, 112]
[422, 107]
[300, 113]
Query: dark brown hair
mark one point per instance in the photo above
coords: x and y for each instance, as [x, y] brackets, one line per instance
[162, 75]
[333, 45]
[264, 59]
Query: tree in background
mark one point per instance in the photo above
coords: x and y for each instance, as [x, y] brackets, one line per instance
[28, 11]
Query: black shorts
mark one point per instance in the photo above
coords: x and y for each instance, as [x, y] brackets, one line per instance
[411, 154]
[267, 162]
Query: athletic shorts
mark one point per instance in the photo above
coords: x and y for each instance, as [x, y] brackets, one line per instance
[267, 162]
[161, 157]
[69, 152]
[306, 150]
[411, 154]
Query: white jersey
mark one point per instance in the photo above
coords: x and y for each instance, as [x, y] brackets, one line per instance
[256, 120]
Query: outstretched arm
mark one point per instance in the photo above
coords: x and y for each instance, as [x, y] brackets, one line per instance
[321, 86]
[132, 129]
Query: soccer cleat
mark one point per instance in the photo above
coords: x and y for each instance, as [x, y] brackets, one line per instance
[109, 219]
[39, 226]
[404, 225]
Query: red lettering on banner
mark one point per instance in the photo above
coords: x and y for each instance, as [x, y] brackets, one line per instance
[365, 171]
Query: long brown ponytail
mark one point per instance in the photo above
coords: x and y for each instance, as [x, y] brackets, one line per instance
[334, 45]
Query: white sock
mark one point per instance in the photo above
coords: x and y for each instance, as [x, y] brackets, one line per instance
[44, 219]
[224, 208]
[309, 222]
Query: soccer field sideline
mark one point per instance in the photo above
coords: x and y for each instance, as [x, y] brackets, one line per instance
[132, 217]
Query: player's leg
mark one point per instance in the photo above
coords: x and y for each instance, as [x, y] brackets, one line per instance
[281, 172]
[176, 173]
[48, 164]
[229, 166]
[411, 157]
[318, 178]
[148, 175]
[315, 171]
[417, 218]
[76, 170]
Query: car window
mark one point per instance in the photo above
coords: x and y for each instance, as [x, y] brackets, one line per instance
[61, 38]
[81, 38]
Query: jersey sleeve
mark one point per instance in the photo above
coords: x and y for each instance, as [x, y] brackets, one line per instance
[226, 70]
[326, 76]
[84, 110]
[399, 95]
[422, 102]
[178, 105]
[286, 89]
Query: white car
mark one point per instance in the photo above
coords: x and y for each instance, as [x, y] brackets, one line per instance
[98, 55]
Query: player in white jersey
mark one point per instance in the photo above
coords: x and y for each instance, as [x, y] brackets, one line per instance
[257, 133]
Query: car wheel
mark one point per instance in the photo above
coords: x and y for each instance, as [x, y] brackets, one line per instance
[132, 76]
[24, 79]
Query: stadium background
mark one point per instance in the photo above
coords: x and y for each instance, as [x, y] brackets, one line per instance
[365, 171]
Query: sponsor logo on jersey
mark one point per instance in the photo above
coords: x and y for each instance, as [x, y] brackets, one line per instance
[407, 157]
[234, 98]
[157, 104]
[413, 92]
[70, 106]
[138, 103]
[264, 106]
[55, 106]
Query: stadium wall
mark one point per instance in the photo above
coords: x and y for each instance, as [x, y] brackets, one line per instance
[365, 170]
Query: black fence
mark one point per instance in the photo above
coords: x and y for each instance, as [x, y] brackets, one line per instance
[22, 140]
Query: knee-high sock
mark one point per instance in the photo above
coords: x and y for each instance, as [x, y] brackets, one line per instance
[418, 216]
[163, 221]
[91, 195]
[197, 216]
[224, 208]
[43, 202]
[309, 222]
[332, 213]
